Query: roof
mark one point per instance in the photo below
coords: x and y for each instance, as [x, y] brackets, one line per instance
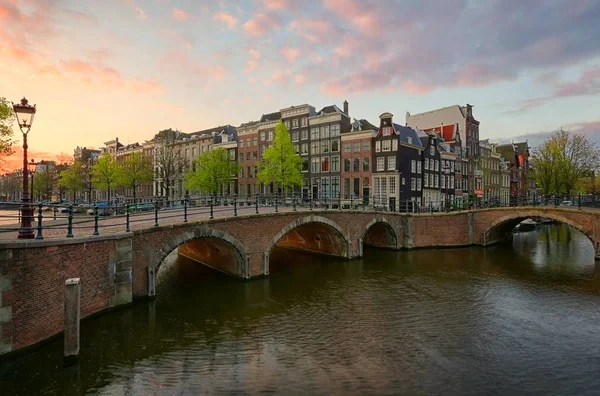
[405, 132]
[209, 131]
[248, 124]
[447, 132]
[330, 110]
[271, 117]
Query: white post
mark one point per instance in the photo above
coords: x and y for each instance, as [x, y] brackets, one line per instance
[72, 318]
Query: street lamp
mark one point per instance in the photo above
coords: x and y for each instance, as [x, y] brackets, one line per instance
[446, 170]
[24, 113]
[31, 166]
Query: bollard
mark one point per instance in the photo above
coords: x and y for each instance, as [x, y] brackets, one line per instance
[72, 317]
[96, 221]
[212, 215]
[256, 203]
[340, 201]
[127, 219]
[352, 202]
[185, 208]
[54, 210]
[276, 204]
[155, 213]
[579, 201]
[310, 202]
[70, 225]
[294, 200]
[234, 205]
[39, 226]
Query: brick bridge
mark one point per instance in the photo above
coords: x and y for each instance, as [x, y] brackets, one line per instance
[117, 268]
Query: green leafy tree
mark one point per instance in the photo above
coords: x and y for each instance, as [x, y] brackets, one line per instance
[58, 170]
[563, 160]
[214, 169]
[43, 183]
[106, 173]
[135, 170]
[280, 163]
[73, 178]
[6, 120]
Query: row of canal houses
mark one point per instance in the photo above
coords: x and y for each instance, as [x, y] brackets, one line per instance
[433, 158]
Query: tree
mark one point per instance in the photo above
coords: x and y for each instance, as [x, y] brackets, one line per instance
[73, 178]
[168, 161]
[43, 183]
[6, 120]
[563, 160]
[280, 163]
[105, 173]
[58, 171]
[214, 169]
[135, 170]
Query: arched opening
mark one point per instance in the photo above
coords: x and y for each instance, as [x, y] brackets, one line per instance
[503, 229]
[215, 253]
[380, 234]
[311, 234]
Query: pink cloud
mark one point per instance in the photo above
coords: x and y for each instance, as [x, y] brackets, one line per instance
[179, 14]
[277, 5]
[300, 79]
[141, 14]
[291, 54]
[261, 24]
[226, 18]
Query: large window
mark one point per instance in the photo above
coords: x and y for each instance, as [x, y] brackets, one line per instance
[314, 133]
[314, 148]
[346, 147]
[315, 165]
[356, 147]
[346, 165]
[304, 134]
[335, 186]
[295, 136]
[377, 146]
[380, 163]
[391, 162]
[304, 164]
[356, 187]
[262, 136]
[392, 180]
[270, 137]
[419, 184]
[395, 145]
[335, 130]
[356, 165]
[386, 145]
[366, 164]
[325, 132]
[413, 166]
[346, 187]
[325, 146]
[413, 183]
[304, 149]
[324, 164]
[366, 146]
[255, 141]
[335, 146]
[335, 163]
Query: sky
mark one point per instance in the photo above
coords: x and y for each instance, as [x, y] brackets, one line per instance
[128, 68]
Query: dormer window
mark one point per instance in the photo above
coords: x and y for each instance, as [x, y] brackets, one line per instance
[387, 131]
[409, 140]
[432, 150]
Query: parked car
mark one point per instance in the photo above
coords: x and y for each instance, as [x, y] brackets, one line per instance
[566, 203]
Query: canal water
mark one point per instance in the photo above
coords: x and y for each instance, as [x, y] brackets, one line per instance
[519, 318]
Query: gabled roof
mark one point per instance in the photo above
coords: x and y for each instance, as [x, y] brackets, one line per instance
[405, 132]
[330, 110]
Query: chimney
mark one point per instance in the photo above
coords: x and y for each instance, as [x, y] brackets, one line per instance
[346, 108]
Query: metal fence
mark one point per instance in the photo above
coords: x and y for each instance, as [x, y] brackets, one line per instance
[67, 220]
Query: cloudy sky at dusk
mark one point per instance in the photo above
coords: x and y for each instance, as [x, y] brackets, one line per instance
[128, 68]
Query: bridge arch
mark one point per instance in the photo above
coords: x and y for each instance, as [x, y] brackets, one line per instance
[325, 237]
[380, 233]
[205, 244]
[500, 228]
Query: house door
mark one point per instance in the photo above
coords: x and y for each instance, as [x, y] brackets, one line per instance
[366, 195]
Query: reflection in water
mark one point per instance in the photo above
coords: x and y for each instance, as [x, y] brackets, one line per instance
[512, 319]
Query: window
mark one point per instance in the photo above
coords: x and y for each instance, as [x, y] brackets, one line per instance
[304, 149]
[314, 148]
[426, 163]
[314, 133]
[335, 163]
[443, 182]
[366, 147]
[419, 184]
[314, 165]
[437, 165]
[356, 148]
[409, 140]
[346, 147]
[356, 165]
[304, 121]
[335, 186]
[437, 181]
[426, 180]
[324, 164]
[270, 136]
[419, 167]
[391, 160]
[395, 145]
[295, 136]
[432, 150]
[380, 163]
[249, 172]
[262, 151]
[392, 183]
[248, 156]
[193, 151]
[325, 146]
[365, 164]
[324, 132]
[335, 146]
[241, 156]
[304, 134]
[377, 146]
[304, 164]
[255, 141]
[297, 148]
[356, 186]
[346, 187]
[413, 166]
[255, 155]
[413, 184]
[335, 130]
[386, 131]
[386, 145]
[325, 187]
[346, 165]
[295, 123]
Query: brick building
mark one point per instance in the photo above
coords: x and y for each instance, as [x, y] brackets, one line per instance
[432, 193]
[357, 164]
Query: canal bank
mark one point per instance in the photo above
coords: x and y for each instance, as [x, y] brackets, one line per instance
[513, 318]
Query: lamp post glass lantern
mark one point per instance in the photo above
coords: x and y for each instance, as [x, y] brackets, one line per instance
[24, 113]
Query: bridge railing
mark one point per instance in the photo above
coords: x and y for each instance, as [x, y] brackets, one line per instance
[68, 220]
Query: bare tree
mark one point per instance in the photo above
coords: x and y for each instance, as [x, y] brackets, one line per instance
[169, 162]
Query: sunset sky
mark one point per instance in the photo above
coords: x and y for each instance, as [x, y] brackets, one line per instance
[128, 68]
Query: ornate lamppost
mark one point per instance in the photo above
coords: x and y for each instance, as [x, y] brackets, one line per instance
[31, 166]
[24, 113]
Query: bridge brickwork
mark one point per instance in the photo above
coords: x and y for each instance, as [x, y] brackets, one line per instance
[117, 268]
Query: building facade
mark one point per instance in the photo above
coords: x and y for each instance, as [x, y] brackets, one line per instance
[356, 168]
